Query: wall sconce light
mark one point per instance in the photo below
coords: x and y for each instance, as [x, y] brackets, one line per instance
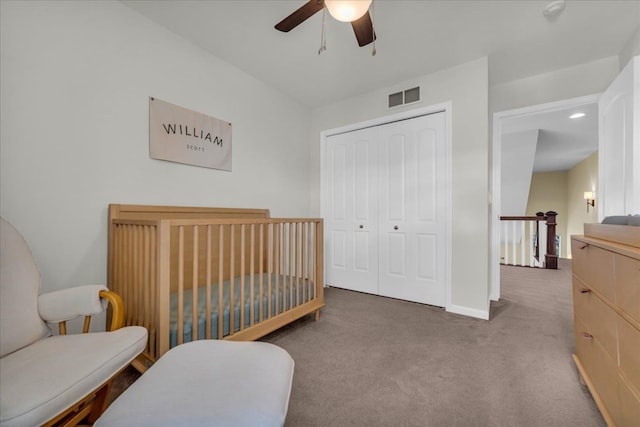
[588, 196]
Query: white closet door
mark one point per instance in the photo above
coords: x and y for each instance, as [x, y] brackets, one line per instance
[351, 221]
[412, 209]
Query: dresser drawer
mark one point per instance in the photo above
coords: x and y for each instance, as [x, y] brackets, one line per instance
[629, 406]
[600, 369]
[629, 347]
[597, 318]
[627, 285]
[594, 266]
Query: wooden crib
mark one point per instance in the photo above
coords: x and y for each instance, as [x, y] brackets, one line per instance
[188, 273]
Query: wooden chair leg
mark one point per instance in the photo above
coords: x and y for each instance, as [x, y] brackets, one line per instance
[100, 402]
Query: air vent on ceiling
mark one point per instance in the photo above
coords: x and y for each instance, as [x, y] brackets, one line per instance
[408, 96]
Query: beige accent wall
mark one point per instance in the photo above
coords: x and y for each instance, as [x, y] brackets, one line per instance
[548, 192]
[582, 177]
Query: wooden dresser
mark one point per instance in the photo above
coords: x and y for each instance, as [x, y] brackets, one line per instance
[606, 306]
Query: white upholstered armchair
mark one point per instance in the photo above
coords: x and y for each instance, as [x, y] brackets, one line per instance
[62, 379]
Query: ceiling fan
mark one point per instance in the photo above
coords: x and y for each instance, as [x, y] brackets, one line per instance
[354, 11]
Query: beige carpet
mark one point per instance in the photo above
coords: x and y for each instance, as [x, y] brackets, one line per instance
[373, 361]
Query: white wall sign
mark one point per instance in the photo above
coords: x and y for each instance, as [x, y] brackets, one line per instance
[184, 136]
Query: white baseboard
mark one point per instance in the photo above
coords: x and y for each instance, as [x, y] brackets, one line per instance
[471, 312]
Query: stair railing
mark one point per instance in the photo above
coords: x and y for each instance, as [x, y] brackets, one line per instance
[529, 241]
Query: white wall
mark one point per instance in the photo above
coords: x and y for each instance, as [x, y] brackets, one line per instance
[630, 49]
[75, 82]
[584, 79]
[518, 153]
[467, 87]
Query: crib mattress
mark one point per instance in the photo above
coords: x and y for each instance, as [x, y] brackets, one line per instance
[288, 290]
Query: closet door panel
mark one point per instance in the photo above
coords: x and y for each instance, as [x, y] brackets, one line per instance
[427, 244]
[339, 183]
[338, 249]
[427, 190]
[351, 212]
[396, 249]
[362, 252]
[410, 153]
[386, 213]
[393, 176]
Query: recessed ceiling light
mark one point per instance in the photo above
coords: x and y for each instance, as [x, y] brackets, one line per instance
[577, 115]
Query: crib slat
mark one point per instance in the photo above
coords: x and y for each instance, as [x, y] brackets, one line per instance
[140, 275]
[251, 274]
[146, 273]
[194, 287]
[304, 261]
[117, 256]
[299, 296]
[164, 285]
[180, 283]
[220, 280]
[318, 263]
[129, 279]
[242, 274]
[135, 273]
[292, 263]
[153, 298]
[207, 324]
[124, 274]
[276, 264]
[261, 273]
[269, 267]
[285, 264]
[309, 257]
[231, 280]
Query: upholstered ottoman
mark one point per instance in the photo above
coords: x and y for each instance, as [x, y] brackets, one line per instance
[208, 383]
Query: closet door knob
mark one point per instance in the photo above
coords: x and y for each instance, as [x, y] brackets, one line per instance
[395, 227]
[585, 290]
[587, 336]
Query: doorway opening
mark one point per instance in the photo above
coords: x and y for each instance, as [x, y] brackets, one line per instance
[532, 150]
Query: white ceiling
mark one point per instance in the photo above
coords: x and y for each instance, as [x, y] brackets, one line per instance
[562, 142]
[414, 38]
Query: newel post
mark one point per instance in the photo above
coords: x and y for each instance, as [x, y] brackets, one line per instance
[551, 259]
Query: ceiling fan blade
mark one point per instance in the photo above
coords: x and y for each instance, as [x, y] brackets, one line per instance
[300, 15]
[363, 27]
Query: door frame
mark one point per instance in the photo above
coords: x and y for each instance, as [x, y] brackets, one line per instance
[496, 157]
[447, 108]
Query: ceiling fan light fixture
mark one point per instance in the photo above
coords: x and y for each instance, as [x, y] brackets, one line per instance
[347, 10]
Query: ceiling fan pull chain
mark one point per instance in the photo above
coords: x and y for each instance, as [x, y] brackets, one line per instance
[373, 26]
[323, 38]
